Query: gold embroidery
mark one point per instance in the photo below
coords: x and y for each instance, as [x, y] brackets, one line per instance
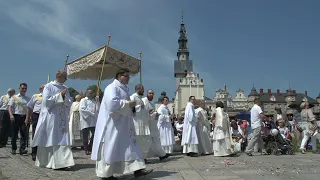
[63, 122]
[132, 135]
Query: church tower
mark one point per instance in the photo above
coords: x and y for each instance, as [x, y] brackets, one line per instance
[183, 65]
[188, 83]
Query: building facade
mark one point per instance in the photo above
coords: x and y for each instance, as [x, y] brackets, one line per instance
[270, 100]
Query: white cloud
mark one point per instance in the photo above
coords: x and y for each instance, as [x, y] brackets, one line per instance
[163, 55]
[55, 19]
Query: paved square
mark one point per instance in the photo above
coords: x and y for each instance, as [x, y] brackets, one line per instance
[177, 167]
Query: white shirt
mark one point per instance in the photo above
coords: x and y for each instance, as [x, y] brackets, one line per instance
[4, 100]
[255, 119]
[16, 108]
[35, 103]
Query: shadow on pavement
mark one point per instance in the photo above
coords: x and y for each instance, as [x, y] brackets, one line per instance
[78, 167]
[153, 175]
[171, 158]
[158, 174]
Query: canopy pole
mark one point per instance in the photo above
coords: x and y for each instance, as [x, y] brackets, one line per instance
[103, 64]
[65, 64]
[48, 80]
[140, 63]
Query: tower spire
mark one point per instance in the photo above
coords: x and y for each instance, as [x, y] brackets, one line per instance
[182, 16]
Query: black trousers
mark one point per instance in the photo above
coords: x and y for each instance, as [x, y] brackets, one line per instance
[34, 118]
[18, 125]
[4, 127]
[85, 137]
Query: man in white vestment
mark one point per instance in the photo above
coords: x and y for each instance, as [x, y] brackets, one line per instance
[52, 132]
[189, 135]
[34, 108]
[222, 137]
[115, 147]
[155, 148]
[165, 126]
[141, 121]
[74, 124]
[89, 110]
[203, 130]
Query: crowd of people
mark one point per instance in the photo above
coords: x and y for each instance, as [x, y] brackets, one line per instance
[121, 132]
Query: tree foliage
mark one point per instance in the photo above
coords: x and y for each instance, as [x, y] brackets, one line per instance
[94, 88]
[73, 92]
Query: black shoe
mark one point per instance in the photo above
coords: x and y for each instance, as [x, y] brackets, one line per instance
[64, 169]
[88, 152]
[22, 152]
[249, 154]
[192, 154]
[110, 178]
[164, 157]
[13, 152]
[34, 157]
[142, 172]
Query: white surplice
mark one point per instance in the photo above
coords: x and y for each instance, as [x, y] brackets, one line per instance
[165, 129]
[222, 137]
[115, 146]
[52, 132]
[155, 149]
[203, 131]
[141, 124]
[74, 125]
[89, 110]
[189, 135]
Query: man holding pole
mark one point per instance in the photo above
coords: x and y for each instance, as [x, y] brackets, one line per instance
[141, 121]
[34, 107]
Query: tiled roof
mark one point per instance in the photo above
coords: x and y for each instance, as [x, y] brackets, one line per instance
[280, 98]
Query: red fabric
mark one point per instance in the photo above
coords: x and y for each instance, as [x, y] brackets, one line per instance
[244, 124]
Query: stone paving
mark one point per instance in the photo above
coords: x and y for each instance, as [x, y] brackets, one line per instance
[178, 167]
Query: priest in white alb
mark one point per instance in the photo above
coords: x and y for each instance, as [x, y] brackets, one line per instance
[74, 123]
[52, 132]
[222, 137]
[141, 121]
[203, 130]
[165, 126]
[189, 134]
[155, 148]
[89, 110]
[115, 147]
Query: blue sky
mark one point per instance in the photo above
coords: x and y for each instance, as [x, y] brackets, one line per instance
[271, 44]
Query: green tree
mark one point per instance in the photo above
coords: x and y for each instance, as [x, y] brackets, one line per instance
[94, 88]
[73, 92]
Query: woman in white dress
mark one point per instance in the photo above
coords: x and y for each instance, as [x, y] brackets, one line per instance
[222, 137]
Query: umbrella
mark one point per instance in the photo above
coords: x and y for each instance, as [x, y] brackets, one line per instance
[244, 115]
[89, 67]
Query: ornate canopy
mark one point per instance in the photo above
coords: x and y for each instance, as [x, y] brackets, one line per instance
[89, 66]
